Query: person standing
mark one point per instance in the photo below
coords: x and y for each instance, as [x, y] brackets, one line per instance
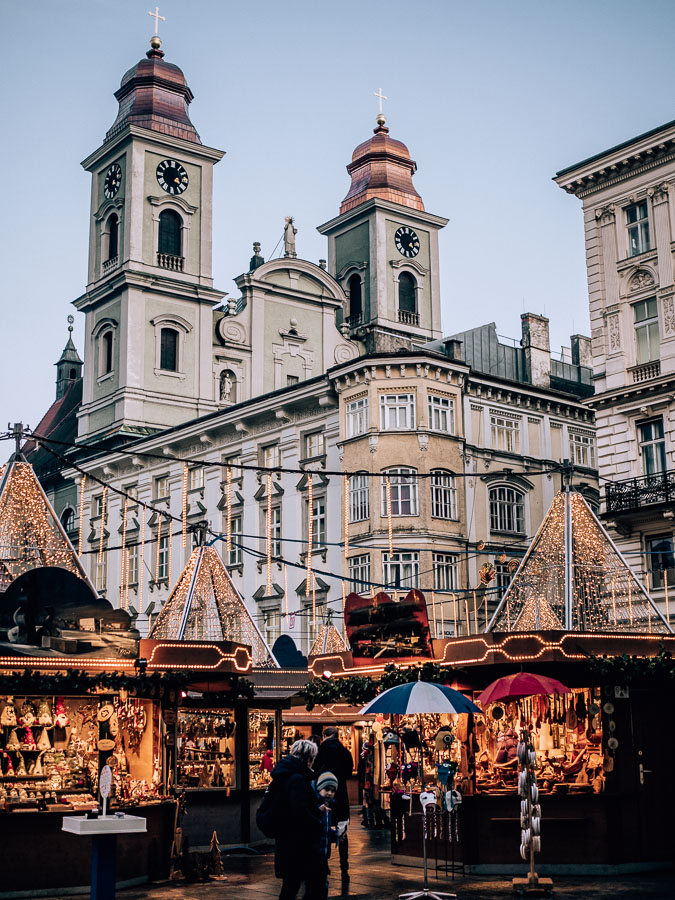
[334, 757]
[297, 856]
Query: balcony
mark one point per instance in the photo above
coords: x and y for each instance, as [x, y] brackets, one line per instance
[408, 318]
[646, 371]
[169, 261]
[635, 493]
[110, 264]
[355, 320]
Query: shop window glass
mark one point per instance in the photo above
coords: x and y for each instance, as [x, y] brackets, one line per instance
[260, 740]
[205, 749]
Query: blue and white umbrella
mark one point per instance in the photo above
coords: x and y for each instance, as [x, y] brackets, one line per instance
[420, 697]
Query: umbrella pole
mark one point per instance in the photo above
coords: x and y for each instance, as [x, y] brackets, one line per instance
[425, 892]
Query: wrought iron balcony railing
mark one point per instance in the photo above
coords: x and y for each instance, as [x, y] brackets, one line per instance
[623, 496]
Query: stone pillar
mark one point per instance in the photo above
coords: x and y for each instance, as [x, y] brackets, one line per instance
[537, 348]
[662, 238]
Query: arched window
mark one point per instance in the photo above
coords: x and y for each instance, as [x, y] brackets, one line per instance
[170, 225]
[68, 519]
[355, 301]
[105, 359]
[407, 288]
[168, 350]
[113, 236]
[507, 507]
[73, 374]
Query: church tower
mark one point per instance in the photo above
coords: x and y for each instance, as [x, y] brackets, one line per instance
[69, 366]
[150, 295]
[383, 249]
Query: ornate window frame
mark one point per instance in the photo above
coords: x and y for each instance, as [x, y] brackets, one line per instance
[104, 326]
[184, 210]
[183, 327]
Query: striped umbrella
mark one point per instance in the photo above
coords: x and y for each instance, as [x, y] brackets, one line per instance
[420, 697]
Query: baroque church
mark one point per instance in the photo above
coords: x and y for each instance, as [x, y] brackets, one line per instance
[193, 406]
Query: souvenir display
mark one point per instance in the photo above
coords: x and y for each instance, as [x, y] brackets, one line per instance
[260, 739]
[51, 760]
[205, 749]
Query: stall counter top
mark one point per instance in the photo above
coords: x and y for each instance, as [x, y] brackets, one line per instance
[104, 824]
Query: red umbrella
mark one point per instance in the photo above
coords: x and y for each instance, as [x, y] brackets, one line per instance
[522, 684]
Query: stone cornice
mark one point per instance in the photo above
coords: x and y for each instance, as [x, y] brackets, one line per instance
[621, 163]
[104, 288]
[358, 212]
[630, 392]
[163, 143]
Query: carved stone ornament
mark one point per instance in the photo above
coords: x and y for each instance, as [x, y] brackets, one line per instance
[345, 352]
[423, 441]
[641, 279]
[231, 332]
[605, 214]
[659, 192]
[614, 332]
[372, 442]
[668, 315]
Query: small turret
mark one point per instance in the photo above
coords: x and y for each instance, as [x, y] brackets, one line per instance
[69, 366]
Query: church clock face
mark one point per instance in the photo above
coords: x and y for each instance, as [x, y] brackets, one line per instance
[407, 242]
[172, 177]
[113, 180]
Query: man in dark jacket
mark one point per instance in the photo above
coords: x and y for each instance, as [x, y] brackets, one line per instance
[334, 757]
[297, 848]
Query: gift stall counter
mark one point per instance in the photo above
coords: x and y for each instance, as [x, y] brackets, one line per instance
[47, 860]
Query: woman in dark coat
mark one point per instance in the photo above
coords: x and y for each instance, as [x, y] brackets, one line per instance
[297, 854]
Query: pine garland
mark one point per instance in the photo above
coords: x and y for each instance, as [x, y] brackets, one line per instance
[357, 690]
[635, 669]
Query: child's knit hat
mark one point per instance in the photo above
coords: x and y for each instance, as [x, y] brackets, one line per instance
[326, 780]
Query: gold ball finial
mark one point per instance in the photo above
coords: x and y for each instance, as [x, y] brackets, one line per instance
[381, 119]
[155, 42]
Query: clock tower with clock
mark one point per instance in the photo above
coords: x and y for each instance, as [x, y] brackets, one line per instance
[383, 249]
[150, 295]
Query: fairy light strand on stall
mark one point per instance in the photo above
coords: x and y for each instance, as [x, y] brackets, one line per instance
[269, 535]
[310, 536]
[80, 536]
[184, 510]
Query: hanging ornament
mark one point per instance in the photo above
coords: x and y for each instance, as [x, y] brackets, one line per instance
[487, 573]
[185, 503]
[83, 482]
[501, 559]
[480, 545]
[310, 536]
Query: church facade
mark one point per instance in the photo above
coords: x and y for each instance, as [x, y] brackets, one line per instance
[246, 411]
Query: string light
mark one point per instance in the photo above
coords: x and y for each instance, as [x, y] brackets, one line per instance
[80, 536]
[346, 502]
[159, 546]
[314, 603]
[310, 536]
[286, 590]
[228, 513]
[269, 535]
[433, 612]
[665, 586]
[100, 543]
[185, 503]
[344, 609]
[475, 613]
[124, 580]
[170, 542]
[390, 524]
[142, 565]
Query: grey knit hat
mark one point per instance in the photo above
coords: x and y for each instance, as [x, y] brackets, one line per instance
[326, 780]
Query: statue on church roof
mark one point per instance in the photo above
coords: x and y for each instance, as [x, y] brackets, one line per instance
[290, 232]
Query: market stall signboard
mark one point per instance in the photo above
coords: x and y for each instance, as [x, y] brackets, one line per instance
[384, 628]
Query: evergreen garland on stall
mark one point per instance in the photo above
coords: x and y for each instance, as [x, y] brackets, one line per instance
[357, 690]
[635, 670]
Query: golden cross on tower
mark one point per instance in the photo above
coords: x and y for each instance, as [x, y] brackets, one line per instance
[156, 16]
[380, 96]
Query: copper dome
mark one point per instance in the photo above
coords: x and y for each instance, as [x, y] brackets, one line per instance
[154, 95]
[382, 167]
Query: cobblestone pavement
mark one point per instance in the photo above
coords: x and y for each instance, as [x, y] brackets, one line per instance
[372, 876]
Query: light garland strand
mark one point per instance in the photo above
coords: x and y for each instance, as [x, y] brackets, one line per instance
[314, 605]
[170, 538]
[124, 574]
[390, 523]
[80, 536]
[433, 612]
[665, 586]
[159, 546]
[100, 543]
[126, 579]
[346, 480]
[269, 535]
[310, 536]
[141, 569]
[185, 503]
[344, 610]
[228, 512]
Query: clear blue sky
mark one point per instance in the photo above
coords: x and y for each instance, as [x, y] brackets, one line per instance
[492, 98]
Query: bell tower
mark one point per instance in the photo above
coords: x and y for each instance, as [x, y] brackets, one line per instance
[383, 248]
[150, 295]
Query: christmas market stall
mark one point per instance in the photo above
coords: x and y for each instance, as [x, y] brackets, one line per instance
[225, 740]
[575, 778]
[72, 699]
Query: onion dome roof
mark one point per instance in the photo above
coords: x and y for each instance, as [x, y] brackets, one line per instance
[382, 167]
[155, 95]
